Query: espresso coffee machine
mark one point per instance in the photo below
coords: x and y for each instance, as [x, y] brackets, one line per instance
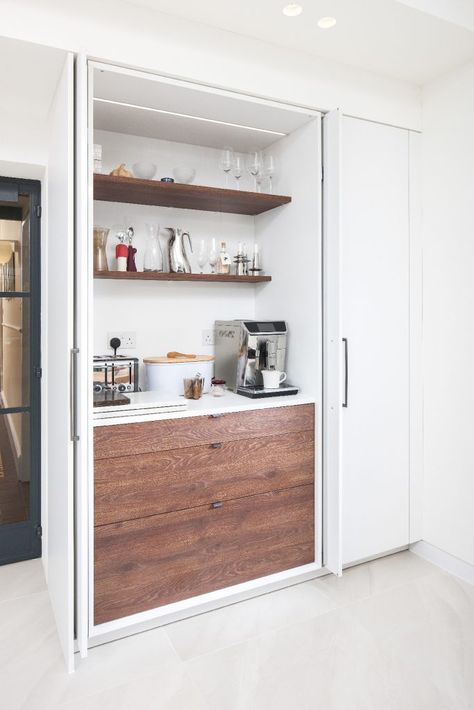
[244, 348]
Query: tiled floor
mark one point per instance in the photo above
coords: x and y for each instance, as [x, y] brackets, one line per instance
[394, 634]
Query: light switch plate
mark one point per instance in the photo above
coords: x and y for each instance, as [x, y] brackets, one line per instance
[208, 337]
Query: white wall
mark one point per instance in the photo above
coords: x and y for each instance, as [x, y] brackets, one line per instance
[167, 316]
[121, 33]
[448, 248]
[290, 239]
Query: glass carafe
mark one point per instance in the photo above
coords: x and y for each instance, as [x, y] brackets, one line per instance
[100, 252]
[153, 258]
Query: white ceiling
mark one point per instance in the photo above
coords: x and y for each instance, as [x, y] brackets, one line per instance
[390, 37]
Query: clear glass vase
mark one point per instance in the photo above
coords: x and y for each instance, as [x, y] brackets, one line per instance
[153, 258]
[100, 253]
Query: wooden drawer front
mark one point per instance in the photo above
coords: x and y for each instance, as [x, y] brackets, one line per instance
[146, 437]
[143, 564]
[136, 486]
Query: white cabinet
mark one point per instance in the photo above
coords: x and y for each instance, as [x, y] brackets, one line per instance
[58, 358]
[375, 323]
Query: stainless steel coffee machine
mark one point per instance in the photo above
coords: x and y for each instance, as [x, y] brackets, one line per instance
[246, 347]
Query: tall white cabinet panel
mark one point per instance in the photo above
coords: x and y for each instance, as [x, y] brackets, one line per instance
[374, 321]
[60, 450]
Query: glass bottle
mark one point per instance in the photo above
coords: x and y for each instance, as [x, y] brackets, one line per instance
[153, 258]
[224, 261]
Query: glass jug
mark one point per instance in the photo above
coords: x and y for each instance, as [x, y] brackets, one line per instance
[100, 253]
[153, 259]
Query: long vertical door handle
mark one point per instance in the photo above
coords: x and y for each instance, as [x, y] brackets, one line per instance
[72, 396]
[346, 371]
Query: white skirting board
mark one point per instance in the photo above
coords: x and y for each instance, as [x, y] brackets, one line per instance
[444, 560]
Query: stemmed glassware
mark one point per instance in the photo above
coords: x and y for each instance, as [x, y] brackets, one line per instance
[254, 167]
[202, 256]
[237, 169]
[226, 161]
[212, 258]
[269, 170]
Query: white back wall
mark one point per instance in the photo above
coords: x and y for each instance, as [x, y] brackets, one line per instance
[448, 229]
[119, 32]
[167, 316]
[290, 239]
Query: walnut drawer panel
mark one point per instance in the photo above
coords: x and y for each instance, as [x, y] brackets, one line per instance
[143, 564]
[146, 437]
[147, 484]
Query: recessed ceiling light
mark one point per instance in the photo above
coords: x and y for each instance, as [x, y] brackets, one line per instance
[292, 10]
[325, 23]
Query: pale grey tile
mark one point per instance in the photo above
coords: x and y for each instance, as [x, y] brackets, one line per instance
[29, 648]
[21, 578]
[328, 662]
[107, 666]
[164, 690]
[374, 577]
[238, 622]
[425, 630]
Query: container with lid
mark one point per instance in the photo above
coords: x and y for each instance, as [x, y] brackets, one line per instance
[166, 374]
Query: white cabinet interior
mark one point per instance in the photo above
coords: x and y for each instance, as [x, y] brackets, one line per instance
[173, 315]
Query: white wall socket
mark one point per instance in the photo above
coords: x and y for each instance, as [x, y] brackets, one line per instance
[208, 337]
[128, 339]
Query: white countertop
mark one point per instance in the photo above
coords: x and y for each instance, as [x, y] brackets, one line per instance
[207, 405]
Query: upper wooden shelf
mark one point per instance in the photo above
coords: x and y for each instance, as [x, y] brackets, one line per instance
[109, 188]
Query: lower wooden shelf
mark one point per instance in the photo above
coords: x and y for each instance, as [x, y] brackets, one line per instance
[165, 276]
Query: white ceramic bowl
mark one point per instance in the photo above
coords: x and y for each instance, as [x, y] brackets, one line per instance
[184, 174]
[144, 170]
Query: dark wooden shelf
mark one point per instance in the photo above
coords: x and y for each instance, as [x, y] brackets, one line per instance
[109, 188]
[165, 276]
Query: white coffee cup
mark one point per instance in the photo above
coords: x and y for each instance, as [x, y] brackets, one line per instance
[272, 379]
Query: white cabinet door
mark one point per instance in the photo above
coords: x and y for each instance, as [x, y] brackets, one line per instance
[375, 321]
[332, 381]
[60, 321]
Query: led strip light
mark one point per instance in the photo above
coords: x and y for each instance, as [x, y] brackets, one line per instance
[187, 115]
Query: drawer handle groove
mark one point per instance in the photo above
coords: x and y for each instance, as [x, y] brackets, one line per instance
[216, 445]
[217, 504]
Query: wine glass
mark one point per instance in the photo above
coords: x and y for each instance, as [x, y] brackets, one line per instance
[226, 161]
[202, 256]
[254, 166]
[269, 169]
[237, 169]
[212, 258]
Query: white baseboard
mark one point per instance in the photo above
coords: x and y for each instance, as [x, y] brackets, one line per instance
[448, 563]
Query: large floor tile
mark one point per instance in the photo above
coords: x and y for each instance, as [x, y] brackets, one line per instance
[21, 578]
[29, 647]
[409, 648]
[374, 577]
[425, 629]
[107, 666]
[161, 691]
[238, 622]
[329, 662]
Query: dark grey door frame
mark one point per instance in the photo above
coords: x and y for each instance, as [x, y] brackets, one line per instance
[21, 541]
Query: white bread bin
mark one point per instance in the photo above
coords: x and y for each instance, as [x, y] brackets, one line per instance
[166, 374]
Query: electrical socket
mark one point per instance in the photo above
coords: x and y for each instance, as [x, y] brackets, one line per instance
[208, 337]
[128, 340]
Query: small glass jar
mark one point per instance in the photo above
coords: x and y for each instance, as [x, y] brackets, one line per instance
[217, 387]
